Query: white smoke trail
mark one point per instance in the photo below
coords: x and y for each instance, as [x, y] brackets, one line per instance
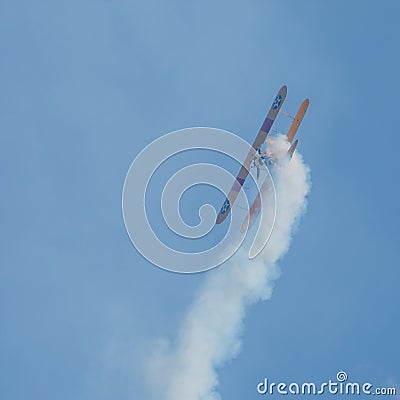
[210, 333]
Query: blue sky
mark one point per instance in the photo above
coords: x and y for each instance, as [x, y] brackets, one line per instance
[86, 85]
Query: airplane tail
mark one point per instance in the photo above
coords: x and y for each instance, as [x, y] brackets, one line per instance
[292, 149]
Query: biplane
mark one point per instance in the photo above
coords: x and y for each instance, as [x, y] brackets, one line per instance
[263, 159]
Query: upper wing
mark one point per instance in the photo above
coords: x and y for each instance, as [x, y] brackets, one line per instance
[297, 120]
[244, 170]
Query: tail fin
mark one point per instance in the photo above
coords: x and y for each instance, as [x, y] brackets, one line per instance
[292, 148]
